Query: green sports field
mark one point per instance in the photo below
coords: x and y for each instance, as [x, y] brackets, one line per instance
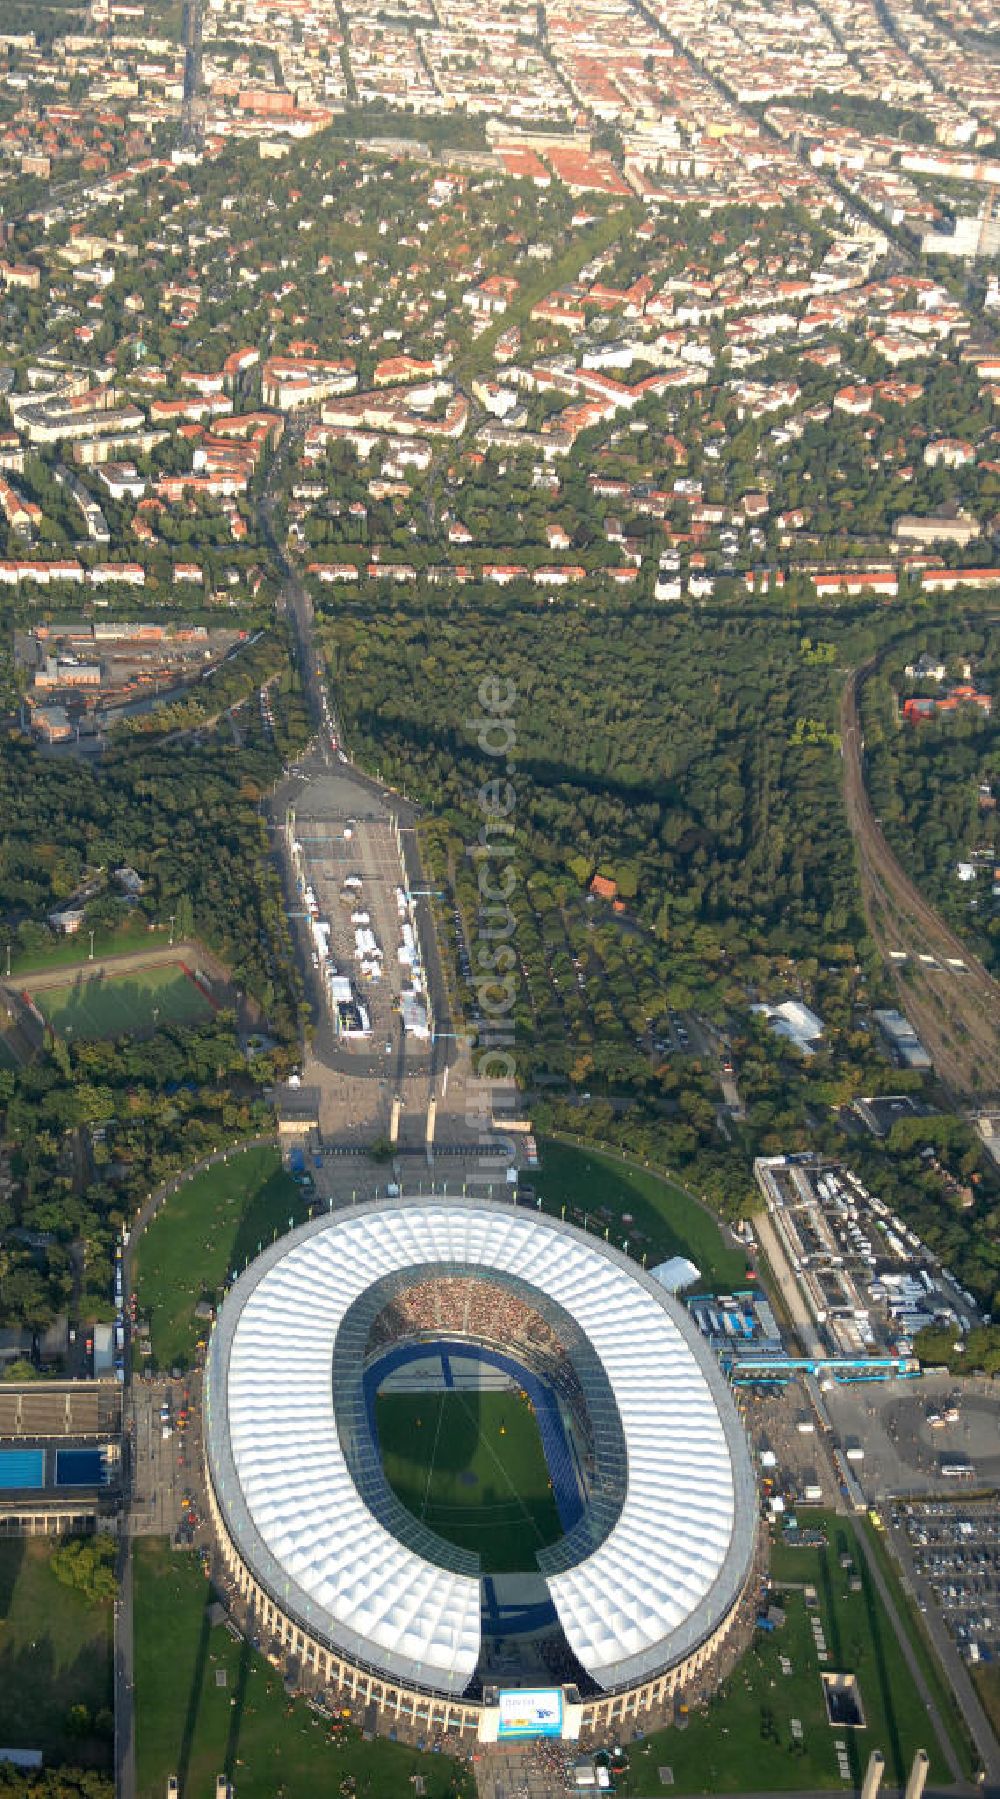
[471, 1465]
[119, 1005]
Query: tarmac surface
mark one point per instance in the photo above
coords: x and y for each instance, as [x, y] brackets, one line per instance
[903, 1452]
[357, 1083]
[783, 1277]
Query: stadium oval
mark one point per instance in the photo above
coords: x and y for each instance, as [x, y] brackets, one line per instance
[652, 1585]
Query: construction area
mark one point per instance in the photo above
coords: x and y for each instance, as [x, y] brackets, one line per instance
[80, 672]
[950, 999]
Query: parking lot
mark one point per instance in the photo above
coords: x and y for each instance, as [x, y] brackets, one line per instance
[955, 1554]
[904, 1452]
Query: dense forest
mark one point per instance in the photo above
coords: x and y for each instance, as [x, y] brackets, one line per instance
[92, 1128]
[54, 1783]
[186, 815]
[692, 759]
[93, 1125]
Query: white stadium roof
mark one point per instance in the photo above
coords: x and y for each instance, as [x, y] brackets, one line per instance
[671, 1566]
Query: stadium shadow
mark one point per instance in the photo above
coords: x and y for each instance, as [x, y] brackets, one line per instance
[193, 1704]
[877, 1621]
[277, 1206]
[236, 1714]
[10, 1569]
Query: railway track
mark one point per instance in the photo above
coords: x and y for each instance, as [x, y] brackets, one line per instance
[950, 998]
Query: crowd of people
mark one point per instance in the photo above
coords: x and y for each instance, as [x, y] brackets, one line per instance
[465, 1306]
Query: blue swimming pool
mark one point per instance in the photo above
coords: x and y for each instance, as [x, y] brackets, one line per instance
[80, 1468]
[22, 1468]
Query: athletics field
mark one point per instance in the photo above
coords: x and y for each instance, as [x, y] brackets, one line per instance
[471, 1466]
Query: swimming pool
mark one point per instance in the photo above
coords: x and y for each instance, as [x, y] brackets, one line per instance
[80, 1468]
[22, 1468]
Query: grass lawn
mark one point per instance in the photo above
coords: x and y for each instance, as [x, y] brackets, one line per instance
[860, 1640]
[169, 17]
[666, 1221]
[986, 1680]
[471, 1465]
[66, 952]
[189, 1724]
[211, 1226]
[742, 1741]
[123, 1004]
[55, 1652]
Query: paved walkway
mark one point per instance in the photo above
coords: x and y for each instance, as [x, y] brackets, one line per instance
[787, 1285]
[903, 1638]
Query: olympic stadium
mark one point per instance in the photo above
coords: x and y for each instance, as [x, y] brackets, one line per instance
[634, 1570]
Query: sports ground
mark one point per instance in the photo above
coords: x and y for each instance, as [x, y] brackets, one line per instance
[471, 1466]
[119, 1005]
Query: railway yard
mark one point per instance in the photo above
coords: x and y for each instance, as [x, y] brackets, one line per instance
[949, 997]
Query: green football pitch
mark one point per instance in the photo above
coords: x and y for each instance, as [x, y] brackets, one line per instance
[471, 1465]
[120, 1005]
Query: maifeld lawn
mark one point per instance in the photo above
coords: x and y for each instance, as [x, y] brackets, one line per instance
[192, 1724]
[471, 1465]
[55, 1653]
[656, 1217]
[202, 1233]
